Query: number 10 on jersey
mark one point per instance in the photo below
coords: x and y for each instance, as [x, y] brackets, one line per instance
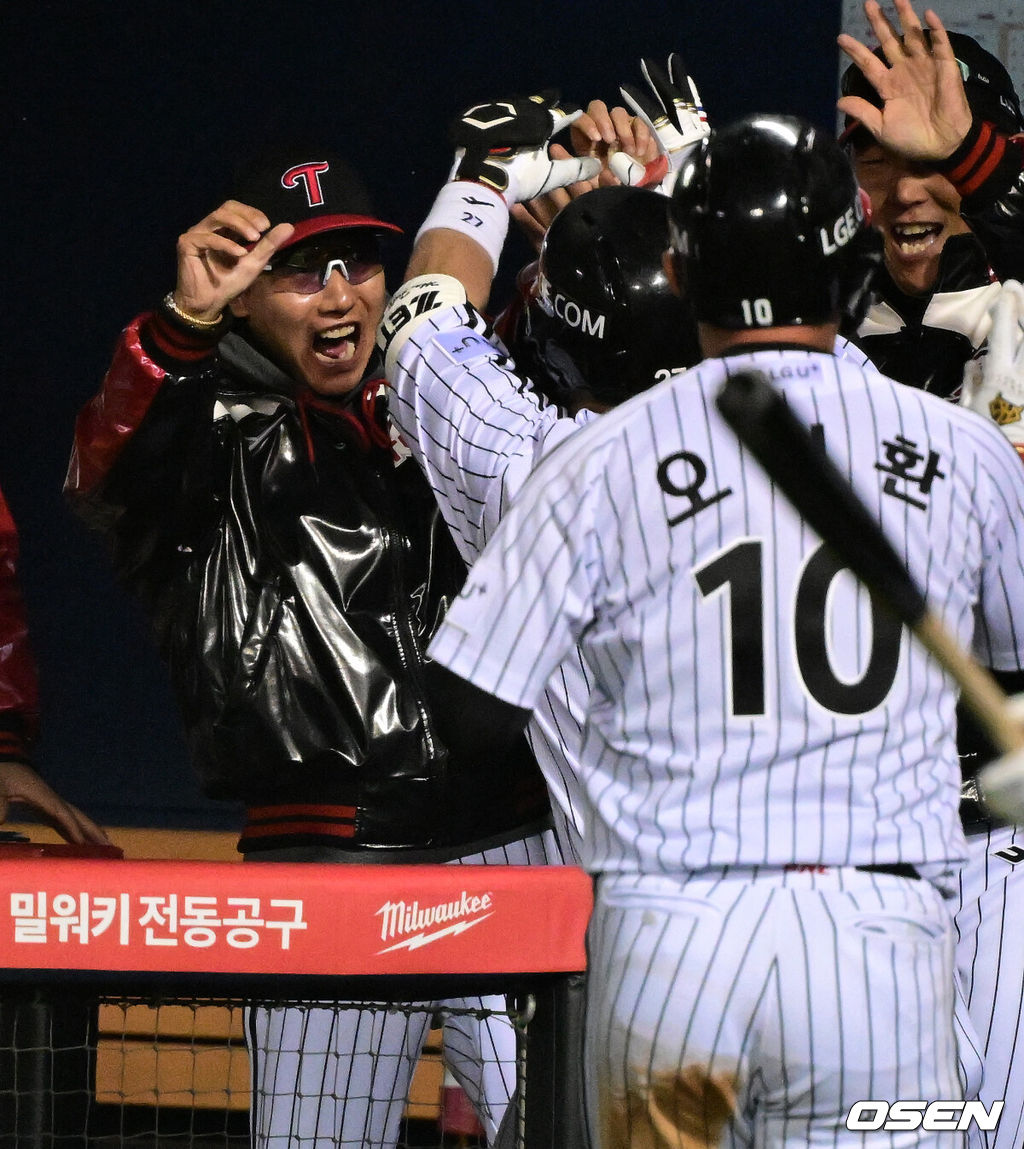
[738, 573]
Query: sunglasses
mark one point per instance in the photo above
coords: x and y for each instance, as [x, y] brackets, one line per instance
[306, 269]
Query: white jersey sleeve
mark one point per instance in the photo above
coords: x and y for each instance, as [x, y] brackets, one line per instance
[525, 605]
[478, 430]
[475, 427]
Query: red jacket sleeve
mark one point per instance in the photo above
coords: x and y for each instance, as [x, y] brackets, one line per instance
[19, 691]
[150, 349]
[107, 421]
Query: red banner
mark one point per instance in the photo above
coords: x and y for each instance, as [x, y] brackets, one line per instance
[221, 917]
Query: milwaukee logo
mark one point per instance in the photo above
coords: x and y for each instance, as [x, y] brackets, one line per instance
[418, 925]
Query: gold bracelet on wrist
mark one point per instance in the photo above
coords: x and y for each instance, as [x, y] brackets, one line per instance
[191, 320]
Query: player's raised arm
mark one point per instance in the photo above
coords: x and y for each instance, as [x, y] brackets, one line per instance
[502, 157]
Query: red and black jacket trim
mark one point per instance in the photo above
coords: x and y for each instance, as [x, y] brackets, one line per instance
[985, 164]
[297, 821]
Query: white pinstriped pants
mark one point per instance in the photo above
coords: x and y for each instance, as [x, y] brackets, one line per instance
[755, 1007]
[324, 1078]
[990, 961]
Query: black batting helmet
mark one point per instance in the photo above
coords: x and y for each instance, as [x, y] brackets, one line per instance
[604, 318]
[769, 227]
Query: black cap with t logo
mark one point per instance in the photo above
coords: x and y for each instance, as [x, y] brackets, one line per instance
[311, 188]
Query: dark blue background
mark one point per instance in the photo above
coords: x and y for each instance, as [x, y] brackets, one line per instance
[122, 122]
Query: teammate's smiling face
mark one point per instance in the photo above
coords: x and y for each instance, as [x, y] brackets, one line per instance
[915, 208]
[323, 338]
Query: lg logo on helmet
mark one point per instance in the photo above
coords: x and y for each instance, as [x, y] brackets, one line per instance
[843, 229]
[758, 312]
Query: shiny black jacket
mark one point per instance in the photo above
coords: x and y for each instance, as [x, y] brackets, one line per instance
[294, 575]
[926, 342]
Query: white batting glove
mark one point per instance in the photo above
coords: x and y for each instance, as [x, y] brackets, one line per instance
[504, 145]
[996, 388]
[677, 121]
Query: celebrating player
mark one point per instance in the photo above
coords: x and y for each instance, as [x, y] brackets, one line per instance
[599, 324]
[769, 764]
[241, 465]
[936, 132]
[934, 126]
[479, 422]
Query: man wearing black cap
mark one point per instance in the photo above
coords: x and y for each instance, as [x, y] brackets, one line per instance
[240, 463]
[937, 137]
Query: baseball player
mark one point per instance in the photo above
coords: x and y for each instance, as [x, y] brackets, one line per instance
[769, 766]
[991, 883]
[239, 463]
[601, 324]
[592, 335]
[943, 163]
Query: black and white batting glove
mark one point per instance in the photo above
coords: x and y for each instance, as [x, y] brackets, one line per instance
[677, 120]
[995, 387]
[501, 158]
[504, 146]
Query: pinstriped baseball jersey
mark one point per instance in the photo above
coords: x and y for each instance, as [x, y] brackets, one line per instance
[752, 704]
[478, 432]
[474, 426]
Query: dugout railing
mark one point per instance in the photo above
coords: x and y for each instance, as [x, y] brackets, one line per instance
[84, 942]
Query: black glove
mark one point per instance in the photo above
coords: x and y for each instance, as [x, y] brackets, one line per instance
[503, 144]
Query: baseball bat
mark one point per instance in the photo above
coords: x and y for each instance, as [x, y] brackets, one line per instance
[798, 465]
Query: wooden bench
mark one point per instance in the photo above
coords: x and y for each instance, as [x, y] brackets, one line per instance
[195, 1057]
